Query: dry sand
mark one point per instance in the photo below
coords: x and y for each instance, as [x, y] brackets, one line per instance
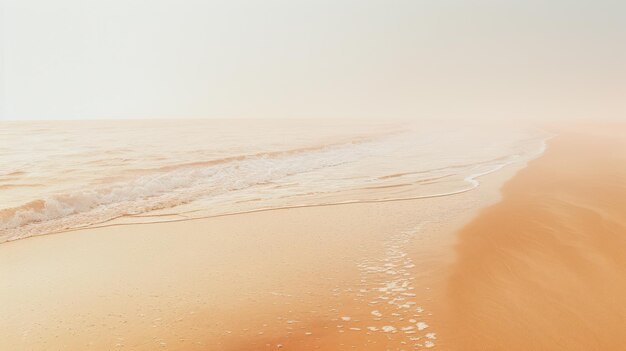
[545, 268]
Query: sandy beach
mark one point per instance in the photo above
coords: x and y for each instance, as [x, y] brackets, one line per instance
[312, 175]
[544, 269]
[232, 283]
[531, 259]
[334, 277]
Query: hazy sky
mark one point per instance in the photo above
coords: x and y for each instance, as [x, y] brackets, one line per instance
[70, 59]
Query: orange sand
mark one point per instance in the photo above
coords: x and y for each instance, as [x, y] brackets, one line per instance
[545, 269]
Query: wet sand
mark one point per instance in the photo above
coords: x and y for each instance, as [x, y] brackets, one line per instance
[545, 268]
[297, 279]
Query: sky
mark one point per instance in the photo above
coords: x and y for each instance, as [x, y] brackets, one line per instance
[86, 59]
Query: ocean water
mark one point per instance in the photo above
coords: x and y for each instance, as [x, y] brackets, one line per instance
[58, 176]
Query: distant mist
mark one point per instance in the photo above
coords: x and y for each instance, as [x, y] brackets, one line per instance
[77, 59]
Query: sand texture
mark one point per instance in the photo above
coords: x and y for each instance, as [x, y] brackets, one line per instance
[538, 263]
[545, 269]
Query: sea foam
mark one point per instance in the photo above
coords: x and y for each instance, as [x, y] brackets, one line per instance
[389, 166]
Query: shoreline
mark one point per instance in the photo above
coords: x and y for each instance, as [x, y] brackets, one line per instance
[471, 180]
[117, 181]
[135, 282]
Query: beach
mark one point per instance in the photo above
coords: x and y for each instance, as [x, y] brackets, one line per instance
[331, 238]
[530, 258]
[544, 269]
[312, 175]
[303, 278]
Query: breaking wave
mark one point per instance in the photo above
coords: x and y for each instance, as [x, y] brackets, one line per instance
[257, 177]
[173, 186]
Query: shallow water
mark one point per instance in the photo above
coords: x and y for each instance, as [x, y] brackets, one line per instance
[57, 176]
